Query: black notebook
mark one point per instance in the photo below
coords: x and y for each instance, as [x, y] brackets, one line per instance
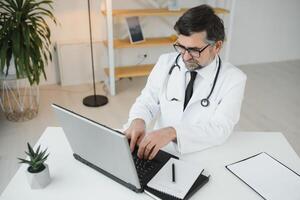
[189, 178]
[201, 180]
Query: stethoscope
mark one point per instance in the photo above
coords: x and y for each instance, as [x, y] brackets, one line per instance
[204, 102]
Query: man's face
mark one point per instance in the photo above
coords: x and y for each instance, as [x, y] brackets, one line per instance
[196, 43]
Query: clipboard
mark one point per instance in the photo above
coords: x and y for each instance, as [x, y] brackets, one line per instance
[267, 176]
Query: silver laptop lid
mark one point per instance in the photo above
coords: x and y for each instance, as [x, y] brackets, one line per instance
[99, 145]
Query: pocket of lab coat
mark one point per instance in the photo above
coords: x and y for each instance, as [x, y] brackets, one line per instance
[171, 111]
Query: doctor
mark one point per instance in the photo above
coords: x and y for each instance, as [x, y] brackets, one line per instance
[194, 97]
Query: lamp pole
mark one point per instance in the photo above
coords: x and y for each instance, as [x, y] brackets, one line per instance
[93, 100]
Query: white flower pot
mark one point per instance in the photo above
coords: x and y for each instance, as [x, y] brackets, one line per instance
[39, 180]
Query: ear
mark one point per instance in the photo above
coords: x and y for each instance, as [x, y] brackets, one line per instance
[218, 46]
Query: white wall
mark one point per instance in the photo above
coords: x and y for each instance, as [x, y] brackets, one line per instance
[264, 31]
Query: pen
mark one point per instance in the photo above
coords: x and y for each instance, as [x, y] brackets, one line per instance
[173, 172]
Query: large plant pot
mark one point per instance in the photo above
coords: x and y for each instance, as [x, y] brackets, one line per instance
[39, 180]
[18, 99]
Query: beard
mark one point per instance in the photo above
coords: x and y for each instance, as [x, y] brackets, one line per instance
[192, 65]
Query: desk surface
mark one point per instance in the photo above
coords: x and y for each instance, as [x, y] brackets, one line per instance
[73, 180]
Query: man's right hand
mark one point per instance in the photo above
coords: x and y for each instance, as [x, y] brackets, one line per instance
[136, 132]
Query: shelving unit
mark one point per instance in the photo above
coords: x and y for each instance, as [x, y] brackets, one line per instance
[149, 42]
[131, 71]
[155, 12]
[111, 43]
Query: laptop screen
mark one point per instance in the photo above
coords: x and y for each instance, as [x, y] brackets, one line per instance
[98, 144]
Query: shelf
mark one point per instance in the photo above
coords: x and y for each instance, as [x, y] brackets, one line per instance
[131, 71]
[155, 12]
[149, 42]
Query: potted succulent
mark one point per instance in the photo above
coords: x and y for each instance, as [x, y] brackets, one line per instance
[25, 49]
[38, 171]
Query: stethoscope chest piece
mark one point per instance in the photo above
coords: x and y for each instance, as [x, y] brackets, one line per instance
[205, 102]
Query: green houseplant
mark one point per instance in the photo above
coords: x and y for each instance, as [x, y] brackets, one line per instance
[38, 171]
[25, 37]
[25, 45]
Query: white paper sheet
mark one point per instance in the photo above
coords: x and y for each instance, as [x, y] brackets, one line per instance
[268, 177]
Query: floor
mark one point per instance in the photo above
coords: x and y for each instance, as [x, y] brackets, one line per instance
[271, 103]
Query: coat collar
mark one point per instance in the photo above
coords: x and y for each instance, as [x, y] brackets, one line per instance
[208, 71]
[205, 72]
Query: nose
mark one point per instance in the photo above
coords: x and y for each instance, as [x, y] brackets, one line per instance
[186, 56]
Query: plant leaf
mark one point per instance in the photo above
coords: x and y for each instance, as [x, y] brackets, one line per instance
[24, 161]
[30, 149]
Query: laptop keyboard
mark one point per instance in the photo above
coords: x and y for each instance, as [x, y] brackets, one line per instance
[144, 168]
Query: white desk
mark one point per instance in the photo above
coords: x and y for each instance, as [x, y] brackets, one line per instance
[73, 180]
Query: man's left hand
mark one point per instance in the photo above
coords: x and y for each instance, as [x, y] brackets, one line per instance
[154, 141]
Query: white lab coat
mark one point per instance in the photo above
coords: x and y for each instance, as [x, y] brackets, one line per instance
[197, 127]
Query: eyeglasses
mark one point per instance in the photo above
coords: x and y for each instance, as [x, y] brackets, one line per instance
[194, 52]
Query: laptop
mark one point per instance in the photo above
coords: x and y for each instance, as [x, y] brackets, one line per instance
[107, 150]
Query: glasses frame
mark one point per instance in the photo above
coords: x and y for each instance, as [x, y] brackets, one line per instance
[199, 50]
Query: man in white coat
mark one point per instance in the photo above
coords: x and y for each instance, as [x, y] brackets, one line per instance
[177, 93]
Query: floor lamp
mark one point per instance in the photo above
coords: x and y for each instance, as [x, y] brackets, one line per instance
[93, 100]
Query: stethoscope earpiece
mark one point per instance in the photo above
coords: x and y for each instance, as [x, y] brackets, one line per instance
[205, 102]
